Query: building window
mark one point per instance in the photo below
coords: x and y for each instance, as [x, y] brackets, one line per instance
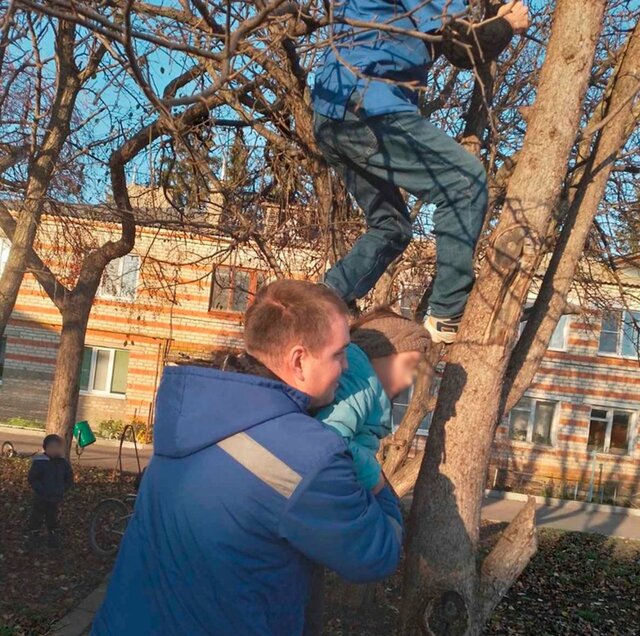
[5, 248]
[610, 431]
[401, 404]
[619, 334]
[233, 288]
[3, 351]
[531, 420]
[120, 278]
[104, 371]
[558, 340]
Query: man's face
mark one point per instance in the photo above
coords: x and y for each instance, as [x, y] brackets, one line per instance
[320, 371]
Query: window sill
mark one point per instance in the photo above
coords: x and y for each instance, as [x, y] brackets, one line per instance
[227, 314]
[530, 445]
[610, 455]
[120, 299]
[110, 396]
[618, 356]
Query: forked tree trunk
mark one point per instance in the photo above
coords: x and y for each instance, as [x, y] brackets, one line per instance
[445, 591]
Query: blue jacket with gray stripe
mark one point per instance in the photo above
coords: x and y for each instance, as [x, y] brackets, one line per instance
[244, 493]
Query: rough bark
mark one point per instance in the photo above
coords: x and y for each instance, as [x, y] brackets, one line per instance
[404, 478]
[444, 591]
[589, 190]
[63, 400]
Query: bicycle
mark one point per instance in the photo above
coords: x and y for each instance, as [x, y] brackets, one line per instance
[108, 523]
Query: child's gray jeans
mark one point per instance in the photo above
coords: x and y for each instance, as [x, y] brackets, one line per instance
[376, 157]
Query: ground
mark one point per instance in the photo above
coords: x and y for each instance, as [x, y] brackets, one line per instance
[38, 587]
[577, 585]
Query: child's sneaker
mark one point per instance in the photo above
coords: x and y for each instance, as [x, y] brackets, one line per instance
[442, 330]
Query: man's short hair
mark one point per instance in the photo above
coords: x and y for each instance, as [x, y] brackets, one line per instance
[289, 312]
[51, 439]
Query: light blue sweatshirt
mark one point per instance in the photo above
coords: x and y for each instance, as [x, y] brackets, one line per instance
[361, 414]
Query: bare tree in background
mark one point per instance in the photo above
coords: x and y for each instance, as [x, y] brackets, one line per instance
[558, 143]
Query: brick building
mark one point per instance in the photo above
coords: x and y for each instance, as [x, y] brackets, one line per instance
[149, 311]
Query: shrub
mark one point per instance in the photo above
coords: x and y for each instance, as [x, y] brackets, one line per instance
[25, 422]
[112, 429]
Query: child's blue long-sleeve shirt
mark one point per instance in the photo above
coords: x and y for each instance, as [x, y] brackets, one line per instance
[361, 414]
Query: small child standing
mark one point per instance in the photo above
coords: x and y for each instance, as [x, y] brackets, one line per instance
[50, 477]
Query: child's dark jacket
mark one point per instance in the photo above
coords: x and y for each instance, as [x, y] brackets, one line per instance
[50, 477]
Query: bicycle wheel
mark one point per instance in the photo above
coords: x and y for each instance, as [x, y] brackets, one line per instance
[8, 450]
[108, 522]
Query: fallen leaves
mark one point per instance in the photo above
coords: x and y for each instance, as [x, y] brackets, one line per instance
[38, 586]
[576, 585]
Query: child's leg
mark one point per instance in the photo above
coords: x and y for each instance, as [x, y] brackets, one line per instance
[413, 154]
[52, 510]
[52, 516]
[428, 163]
[37, 515]
[314, 611]
[347, 146]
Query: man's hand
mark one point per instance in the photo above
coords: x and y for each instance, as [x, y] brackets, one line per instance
[517, 14]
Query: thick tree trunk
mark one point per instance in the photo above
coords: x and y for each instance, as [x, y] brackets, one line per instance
[63, 400]
[589, 190]
[445, 593]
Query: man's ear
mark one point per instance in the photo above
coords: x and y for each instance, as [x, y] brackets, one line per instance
[295, 358]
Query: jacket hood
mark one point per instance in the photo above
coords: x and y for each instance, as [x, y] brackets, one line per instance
[197, 407]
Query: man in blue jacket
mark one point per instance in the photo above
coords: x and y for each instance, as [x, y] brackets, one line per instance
[246, 491]
[369, 128]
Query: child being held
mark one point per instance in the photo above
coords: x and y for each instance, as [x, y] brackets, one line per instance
[50, 477]
[383, 358]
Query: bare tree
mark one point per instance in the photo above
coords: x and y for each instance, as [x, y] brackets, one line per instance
[446, 591]
[245, 66]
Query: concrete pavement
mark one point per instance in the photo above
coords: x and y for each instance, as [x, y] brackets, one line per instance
[568, 515]
[103, 454]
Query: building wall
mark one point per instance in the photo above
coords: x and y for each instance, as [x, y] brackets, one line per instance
[153, 330]
[579, 380]
[150, 327]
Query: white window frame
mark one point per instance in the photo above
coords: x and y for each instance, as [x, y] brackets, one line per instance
[532, 421]
[5, 248]
[3, 357]
[423, 432]
[618, 353]
[102, 293]
[92, 374]
[633, 423]
[565, 331]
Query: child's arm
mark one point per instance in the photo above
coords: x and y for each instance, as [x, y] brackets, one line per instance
[368, 470]
[35, 477]
[343, 417]
[68, 476]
